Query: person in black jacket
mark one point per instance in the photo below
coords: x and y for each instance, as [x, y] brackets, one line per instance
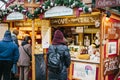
[59, 42]
[14, 70]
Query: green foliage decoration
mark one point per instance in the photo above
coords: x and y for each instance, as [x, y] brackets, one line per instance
[43, 7]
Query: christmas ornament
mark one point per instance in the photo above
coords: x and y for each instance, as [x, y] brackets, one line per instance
[80, 9]
[89, 9]
[97, 23]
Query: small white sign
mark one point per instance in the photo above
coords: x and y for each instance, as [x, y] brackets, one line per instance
[112, 48]
[3, 28]
[59, 11]
[46, 34]
[84, 71]
[15, 16]
[46, 38]
[79, 29]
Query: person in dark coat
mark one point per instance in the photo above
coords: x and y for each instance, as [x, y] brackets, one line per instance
[59, 42]
[9, 55]
[14, 70]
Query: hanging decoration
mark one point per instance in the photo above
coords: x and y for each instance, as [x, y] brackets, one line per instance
[97, 23]
[80, 6]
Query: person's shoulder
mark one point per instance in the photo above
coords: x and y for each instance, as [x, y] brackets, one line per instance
[50, 46]
[64, 46]
[1, 42]
[27, 45]
[12, 42]
[13, 36]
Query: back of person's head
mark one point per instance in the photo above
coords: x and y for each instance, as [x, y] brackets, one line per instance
[26, 40]
[7, 36]
[58, 38]
[15, 31]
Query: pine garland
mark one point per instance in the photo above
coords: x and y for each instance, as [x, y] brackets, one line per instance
[44, 7]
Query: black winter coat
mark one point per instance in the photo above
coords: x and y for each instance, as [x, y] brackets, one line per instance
[64, 51]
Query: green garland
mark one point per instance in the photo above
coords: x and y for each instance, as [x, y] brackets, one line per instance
[44, 7]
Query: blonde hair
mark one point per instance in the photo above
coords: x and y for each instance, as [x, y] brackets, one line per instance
[15, 31]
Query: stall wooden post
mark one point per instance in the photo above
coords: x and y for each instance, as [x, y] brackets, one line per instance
[101, 48]
[32, 5]
[33, 50]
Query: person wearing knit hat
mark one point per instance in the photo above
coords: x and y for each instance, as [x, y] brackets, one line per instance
[59, 43]
[58, 38]
[9, 55]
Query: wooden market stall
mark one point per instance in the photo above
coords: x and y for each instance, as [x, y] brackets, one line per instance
[40, 36]
[93, 40]
[22, 19]
[32, 10]
[111, 42]
[80, 33]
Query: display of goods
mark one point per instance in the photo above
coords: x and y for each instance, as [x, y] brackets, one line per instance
[84, 51]
[84, 56]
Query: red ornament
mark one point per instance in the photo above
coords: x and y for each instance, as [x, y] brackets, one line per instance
[41, 16]
[25, 18]
[41, 1]
[4, 19]
[77, 12]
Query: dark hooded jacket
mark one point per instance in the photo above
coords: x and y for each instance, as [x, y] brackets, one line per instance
[58, 41]
[8, 49]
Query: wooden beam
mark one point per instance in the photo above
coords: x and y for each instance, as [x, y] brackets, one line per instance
[31, 5]
[33, 40]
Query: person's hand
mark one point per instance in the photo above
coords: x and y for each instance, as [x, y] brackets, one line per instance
[18, 64]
